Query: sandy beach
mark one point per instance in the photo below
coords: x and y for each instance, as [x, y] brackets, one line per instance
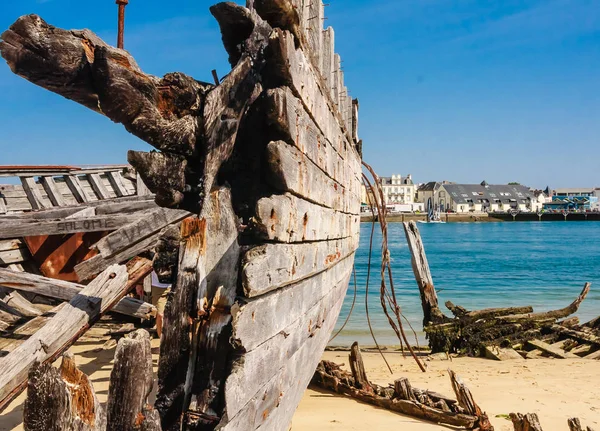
[554, 389]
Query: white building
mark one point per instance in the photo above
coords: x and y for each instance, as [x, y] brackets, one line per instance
[398, 190]
[464, 198]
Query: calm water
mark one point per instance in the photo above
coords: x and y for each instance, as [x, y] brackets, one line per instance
[479, 265]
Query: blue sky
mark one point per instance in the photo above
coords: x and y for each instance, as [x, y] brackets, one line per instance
[458, 90]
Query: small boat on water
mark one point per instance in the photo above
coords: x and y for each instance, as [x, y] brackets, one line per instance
[257, 188]
[433, 216]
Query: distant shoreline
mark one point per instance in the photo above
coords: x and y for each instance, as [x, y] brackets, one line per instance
[489, 217]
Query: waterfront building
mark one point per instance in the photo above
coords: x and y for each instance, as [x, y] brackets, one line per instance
[398, 193]
[398, 190]
[573, 199]
[484, 197]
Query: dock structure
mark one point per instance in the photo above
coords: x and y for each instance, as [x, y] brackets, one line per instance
[257, 181]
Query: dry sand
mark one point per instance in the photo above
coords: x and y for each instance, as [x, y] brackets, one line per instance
[554, 389]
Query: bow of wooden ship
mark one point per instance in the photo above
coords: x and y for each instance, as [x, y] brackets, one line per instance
[267, 160]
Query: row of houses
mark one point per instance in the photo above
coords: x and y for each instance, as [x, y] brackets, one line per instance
[402, 195]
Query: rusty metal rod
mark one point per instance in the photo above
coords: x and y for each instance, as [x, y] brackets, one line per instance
[122, 4]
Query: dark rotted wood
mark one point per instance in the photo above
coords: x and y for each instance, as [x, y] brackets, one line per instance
[192, 370]
[61, 399]
[429, 301]
[131, 381]
[403, 389]
[577, 335]
[554, 314]
[162, 173]
[461, 312]
[467, 402]
[330, 377]
[358, 369]
[166, 254]
[281, 14]
[526, 422]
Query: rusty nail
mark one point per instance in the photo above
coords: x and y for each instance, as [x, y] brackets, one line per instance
[122, 4]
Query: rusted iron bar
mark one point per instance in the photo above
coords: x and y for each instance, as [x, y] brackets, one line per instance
[122, 4]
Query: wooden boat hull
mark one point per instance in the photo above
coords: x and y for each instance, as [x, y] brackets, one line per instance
[269, 160]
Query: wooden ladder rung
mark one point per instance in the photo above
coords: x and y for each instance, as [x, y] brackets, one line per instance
[54, 194]
[116, 181]
[34, 196]
[98, 186]
[74, 185]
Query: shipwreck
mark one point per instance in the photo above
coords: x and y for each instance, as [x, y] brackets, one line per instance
[253, 215]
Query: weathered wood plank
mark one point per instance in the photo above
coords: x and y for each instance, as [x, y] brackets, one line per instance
[33, 193]
[131, 381]
[16, 301]
[429, 301]
[263, 317]
[3, 207]
[66, 326]
[98, 186]
[74, 185]
[315, 31]
[116, 181]
[84, 213]
[11, 244]
[255, 392]
[139, 230]
[502, 354]
[286, 218]
[141, 188]
[20, 334]
[52, 191]
[89, 268]
[287, 114]
[271, 266]
[309, 85]
[327, 60]
[14, 256]
[552, 351]
[102, 223]
[66, 291]
[291, 171]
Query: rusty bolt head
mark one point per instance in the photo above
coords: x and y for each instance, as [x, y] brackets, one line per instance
[122, 2]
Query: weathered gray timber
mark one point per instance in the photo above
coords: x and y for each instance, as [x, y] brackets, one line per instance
[66, 291]
[287, 212]
[66, 326]
[139, 230]
[75, 186]
[20, 228]
[53, 194]
[429, 301]
[89, 268]
[16, 302]
[291, 172]
[33, 193]
[550, 350]
[271, 266]
[287, 218]
[131, 381]
[98, 186]
[21, 333]
[116, 181]
[287, 115]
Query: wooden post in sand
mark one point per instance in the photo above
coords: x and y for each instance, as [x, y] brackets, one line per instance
[429, 300]
[64, 399]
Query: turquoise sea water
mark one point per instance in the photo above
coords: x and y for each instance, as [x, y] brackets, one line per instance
[479, 265]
